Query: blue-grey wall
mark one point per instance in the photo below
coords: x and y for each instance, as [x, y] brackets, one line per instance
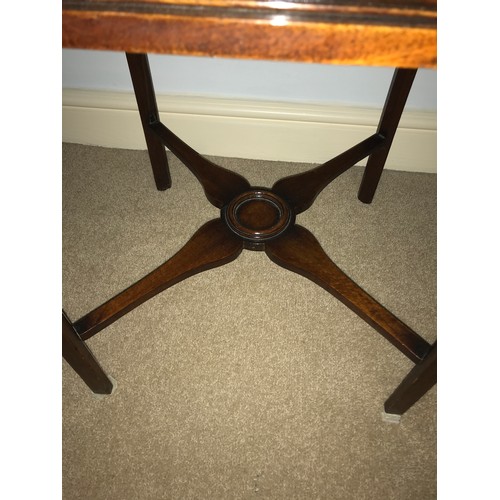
[265, 80]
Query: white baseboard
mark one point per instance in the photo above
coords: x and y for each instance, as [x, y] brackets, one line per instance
[308, 133]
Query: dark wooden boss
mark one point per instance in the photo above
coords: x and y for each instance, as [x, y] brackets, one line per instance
[397, 33]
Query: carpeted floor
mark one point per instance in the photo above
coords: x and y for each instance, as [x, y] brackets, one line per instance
[246, 381]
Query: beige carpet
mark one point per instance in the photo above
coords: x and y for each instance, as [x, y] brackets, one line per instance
[246, 381]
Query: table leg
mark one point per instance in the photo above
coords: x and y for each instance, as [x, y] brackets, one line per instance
[146, 101]
[420, 379]
[81, 359]
[389, 121]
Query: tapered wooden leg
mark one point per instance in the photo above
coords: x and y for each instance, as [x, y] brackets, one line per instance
[219, 184]
[300, 252]
[146, 101]
[301, 190]
[81, 359]
[211, 246]
[420, 379]
[391, 114]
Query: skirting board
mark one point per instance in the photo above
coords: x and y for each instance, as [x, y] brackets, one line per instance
[261, 130]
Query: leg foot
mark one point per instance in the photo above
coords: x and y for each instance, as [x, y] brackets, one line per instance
[390, 418]
[104, 396]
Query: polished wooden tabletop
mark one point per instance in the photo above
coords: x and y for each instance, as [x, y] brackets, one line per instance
[355, 32]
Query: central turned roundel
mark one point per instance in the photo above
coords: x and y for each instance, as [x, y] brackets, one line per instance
[258, 215]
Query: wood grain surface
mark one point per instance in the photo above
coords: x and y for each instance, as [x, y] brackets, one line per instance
[380, 33]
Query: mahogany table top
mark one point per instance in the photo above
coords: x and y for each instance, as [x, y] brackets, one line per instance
[398, 33]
